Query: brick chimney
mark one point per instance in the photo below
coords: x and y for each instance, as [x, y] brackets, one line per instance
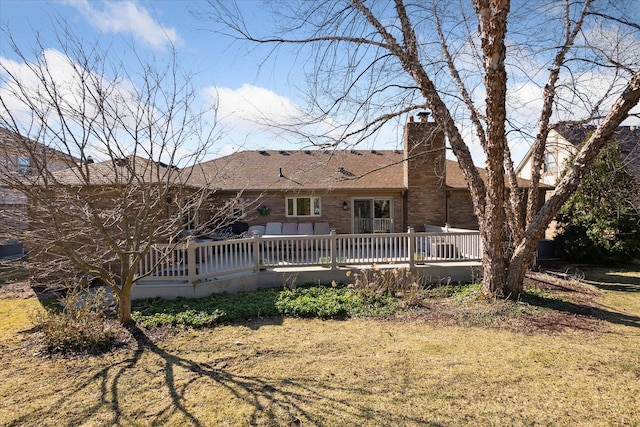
[424, 173]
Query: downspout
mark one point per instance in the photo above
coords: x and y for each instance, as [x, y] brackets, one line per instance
[446, 207]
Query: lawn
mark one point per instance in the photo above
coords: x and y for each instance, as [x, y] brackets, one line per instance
[567, 354]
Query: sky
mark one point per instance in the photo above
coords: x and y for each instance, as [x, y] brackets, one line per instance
[246, 86]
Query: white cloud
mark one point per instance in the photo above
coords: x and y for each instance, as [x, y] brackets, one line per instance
[260, 118]
[253, 108]
[256, 117]
[127, 17]
[55, 94]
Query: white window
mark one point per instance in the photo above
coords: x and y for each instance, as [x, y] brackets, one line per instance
[303, 206]
[550, 163]
[24, 165]
[236, 208]
[189, 215]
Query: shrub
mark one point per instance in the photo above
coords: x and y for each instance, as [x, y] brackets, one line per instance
[601, 220]
[375, 285]
[81, 326]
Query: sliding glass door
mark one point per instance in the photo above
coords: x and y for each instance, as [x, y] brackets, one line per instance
[372, 216]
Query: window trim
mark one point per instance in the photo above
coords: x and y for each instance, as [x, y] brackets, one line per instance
[24, 165]
[545, 164]
[312, 206]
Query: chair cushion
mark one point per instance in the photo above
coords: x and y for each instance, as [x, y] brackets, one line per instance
[273, 229]
[289, 228]
[321, 228]
[305, 228]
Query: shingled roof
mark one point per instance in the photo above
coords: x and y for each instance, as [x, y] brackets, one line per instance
[12, 142]
[314, 170]
[113, 172]
[627, 136]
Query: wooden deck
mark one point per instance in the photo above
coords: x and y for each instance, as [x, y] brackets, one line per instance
[198, 267]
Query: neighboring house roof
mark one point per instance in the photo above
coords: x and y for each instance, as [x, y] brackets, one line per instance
[112, 172]
[576, 134]
[14, 143]
[627, 136]
[314, 170]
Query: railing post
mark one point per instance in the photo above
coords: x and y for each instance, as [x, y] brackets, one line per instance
[256, 250]
[412, 247]
[191, 261]
[334, 248]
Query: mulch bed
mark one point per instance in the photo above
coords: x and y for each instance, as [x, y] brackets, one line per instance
[574, 304]
[17, 290]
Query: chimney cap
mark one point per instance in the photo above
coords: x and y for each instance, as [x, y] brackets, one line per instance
[424, 116]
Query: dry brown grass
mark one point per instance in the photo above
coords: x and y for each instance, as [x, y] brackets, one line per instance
[423, 369]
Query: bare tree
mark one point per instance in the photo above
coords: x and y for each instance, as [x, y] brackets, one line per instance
[125, 137]
[471, 64]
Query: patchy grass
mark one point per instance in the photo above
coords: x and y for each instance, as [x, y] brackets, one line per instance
[566, 354]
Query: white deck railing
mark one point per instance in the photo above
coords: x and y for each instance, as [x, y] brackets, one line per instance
[195, 260]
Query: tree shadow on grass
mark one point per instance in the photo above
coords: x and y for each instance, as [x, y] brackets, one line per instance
[618, 283]
[567, 307]
[301, 400]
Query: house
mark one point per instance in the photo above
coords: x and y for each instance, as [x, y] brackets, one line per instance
[21, 158]
[369, 193]
[355, 191]
[563, 142]
[104, 212]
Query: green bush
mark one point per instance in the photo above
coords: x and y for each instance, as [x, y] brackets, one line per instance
[189, 317]
[599, 222]
[316, 301]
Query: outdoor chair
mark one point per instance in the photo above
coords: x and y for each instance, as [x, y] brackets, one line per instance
[273, 229]
[289, 229]
[305, 229]
[320, 228]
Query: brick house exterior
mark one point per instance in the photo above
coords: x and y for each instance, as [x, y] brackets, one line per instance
[18, 156]
[354, 191]
[390, 189]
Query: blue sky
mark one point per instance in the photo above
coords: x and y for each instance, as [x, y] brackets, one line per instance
[236, 74]
[247, 87]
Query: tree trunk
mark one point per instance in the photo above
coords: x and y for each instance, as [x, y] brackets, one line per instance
[492, 28]
[493, 262]
[124, 304]
[524, 251]
[518, 265]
